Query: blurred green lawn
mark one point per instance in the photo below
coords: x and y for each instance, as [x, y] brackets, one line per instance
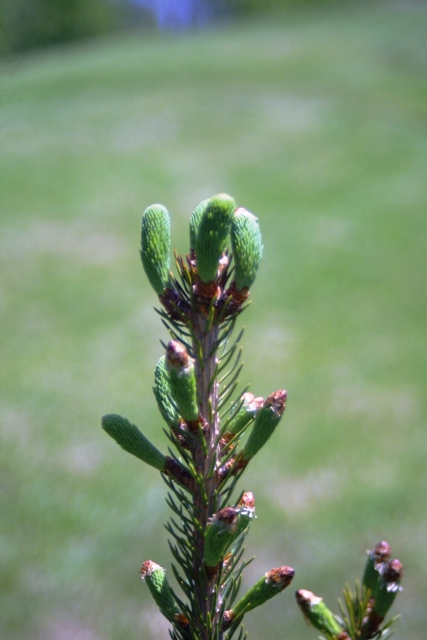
[315, 123]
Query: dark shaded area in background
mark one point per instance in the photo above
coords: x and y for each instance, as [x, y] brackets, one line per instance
[32, 24]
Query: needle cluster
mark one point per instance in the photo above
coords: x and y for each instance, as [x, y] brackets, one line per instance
[214, 431]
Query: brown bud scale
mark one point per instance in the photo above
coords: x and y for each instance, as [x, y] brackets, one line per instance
[176, 355]
[393, 572]
[176, 472]
[225, 519]
[281, 577]
[147, 568]
[277, 401]
[382, 551]
[247, 501]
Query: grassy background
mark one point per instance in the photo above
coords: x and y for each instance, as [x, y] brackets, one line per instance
[314, 123]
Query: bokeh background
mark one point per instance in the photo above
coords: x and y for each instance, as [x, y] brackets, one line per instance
[312, 115]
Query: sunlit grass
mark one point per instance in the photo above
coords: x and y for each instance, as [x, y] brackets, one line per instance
[315, 124]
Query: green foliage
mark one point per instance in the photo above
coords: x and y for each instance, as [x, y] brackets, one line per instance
[130, 438]
[162, 392]
[155, 246]
[364, 609]
[247, 248]
[220, 533]
[210, 234]
[182, 381]
[155, 577]
[200, 310]
[374, 563]
[386, 590]
[195, 222]
[266, 588]
[225, 529]
[29, 24]
[317, 613]
[245, 8]
[266, 421]
[243, 412]
[332, 105]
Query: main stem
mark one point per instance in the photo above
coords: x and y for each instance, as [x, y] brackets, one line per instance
[205, 494]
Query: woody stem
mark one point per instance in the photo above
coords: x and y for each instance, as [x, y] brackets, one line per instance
[205, 496]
